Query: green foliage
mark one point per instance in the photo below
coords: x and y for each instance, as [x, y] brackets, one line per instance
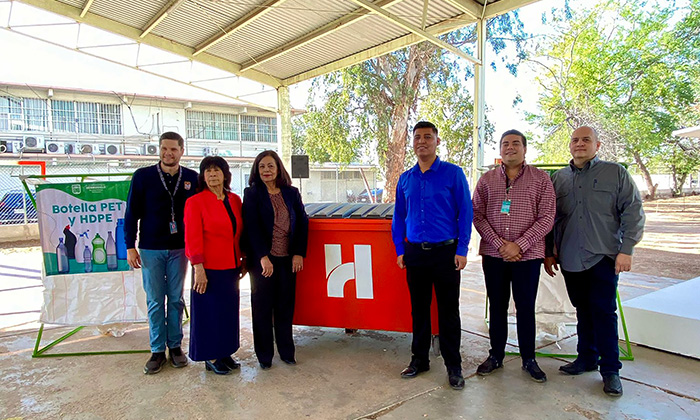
[372, 105]
[451, 108]
[624, 68]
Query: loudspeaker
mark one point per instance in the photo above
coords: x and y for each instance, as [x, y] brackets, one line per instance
[300, 166]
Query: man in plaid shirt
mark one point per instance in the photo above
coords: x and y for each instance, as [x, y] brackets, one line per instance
[514, 207]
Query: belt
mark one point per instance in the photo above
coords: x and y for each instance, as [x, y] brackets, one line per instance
[427, 246]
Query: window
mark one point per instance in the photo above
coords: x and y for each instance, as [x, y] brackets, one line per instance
[63, 116]
[110, 119]
[259, 129]
[212, 126]
[86, 117]
[23, 114]
[247, 128]
[267, 129]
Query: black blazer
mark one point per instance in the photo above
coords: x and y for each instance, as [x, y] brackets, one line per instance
[259, 219]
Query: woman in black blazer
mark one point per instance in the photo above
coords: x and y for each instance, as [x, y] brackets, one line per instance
[276, 230]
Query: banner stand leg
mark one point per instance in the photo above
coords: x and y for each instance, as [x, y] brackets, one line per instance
[41, 352]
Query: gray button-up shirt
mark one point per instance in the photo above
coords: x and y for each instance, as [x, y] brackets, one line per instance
[599, 213]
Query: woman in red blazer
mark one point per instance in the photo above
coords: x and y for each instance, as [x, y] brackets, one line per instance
[213, 227]
[276, 228]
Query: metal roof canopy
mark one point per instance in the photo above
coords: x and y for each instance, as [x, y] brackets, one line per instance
[281, 42]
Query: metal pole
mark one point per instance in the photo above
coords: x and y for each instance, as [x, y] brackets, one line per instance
[479, 103]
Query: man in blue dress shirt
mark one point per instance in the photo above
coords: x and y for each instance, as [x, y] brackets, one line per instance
[431, 229]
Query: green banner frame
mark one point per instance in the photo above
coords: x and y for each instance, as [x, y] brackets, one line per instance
[41, 351]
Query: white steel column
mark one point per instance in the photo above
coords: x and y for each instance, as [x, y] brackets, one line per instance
[284, 111]
[479, 104]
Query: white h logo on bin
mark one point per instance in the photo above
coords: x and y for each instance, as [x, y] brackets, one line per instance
[338, 273]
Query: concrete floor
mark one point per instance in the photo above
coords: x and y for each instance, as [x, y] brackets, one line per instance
[338, 375]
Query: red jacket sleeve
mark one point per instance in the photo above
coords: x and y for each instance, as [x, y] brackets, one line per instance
[194, 231]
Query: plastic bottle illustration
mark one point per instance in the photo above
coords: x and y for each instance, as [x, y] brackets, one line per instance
[71, 241]
[111, 252]
[83, 241]
[99, 255]
[87, 257]
[62, 256]
[121, 240]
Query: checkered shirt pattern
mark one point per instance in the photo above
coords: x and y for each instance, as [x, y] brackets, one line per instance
[531, 216]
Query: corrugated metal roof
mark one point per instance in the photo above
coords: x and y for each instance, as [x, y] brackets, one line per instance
[295, 39]
[136, 14]
[335, 46]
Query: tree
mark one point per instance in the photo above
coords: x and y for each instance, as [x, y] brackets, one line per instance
[381, 96]
[451, 108]
[623, 68]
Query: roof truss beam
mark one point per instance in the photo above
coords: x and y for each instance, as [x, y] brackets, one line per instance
[502, 7]
[134, 34]
[158, 17]
[391, 46]
[327, 29]
[88, 3]
[242, 22]
[409, 27]
[470, 7]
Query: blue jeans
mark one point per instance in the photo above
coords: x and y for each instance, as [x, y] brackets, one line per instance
[164, 275]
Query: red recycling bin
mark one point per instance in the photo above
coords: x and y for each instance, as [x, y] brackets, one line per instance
[350, 277]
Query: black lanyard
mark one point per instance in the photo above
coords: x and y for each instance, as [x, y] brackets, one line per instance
[171, 194]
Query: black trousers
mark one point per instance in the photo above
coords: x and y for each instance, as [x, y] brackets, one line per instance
[425, 270]
[593, 293]
[272, 302]
[524, 278]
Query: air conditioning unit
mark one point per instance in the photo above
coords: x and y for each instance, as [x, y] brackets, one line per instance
[113, 149]
[71, 148]
[210, 151]
[17, 146]
[34, 144]
[55, 147]
[89, 149]
[150, 149]
[133, 150]
[4, 147]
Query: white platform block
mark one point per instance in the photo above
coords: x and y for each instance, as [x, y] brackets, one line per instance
[667, 319]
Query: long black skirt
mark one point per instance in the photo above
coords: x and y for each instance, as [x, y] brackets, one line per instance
[214, 317]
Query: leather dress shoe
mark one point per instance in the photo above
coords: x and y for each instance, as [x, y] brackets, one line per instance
[413, 370]
[577, 367]
[454, 376]
[534, 370]
[612, 385]
[230, 363]
[155, 363]
[265, 366]
[291, 361]
[217, 366]
[488, 366]
[178, 358]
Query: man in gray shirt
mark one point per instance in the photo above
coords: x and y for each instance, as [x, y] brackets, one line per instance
[598, 222]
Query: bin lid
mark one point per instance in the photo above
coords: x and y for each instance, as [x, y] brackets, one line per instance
[350, 210]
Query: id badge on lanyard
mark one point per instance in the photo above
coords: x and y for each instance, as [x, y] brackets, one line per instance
[173, 223]
[505, 207]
